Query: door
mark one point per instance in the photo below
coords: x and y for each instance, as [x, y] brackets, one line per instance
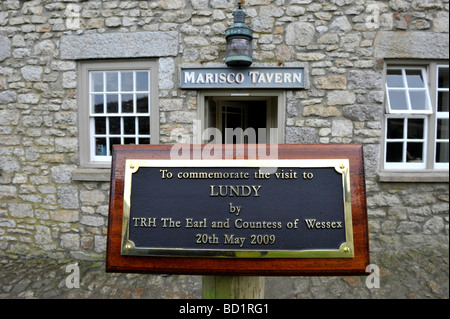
[232, 121]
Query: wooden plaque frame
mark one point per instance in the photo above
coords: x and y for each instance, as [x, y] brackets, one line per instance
[116, 262]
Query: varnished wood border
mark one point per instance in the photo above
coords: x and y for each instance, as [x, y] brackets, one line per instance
[115, 262]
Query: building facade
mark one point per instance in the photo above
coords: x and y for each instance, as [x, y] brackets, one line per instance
[77, 77]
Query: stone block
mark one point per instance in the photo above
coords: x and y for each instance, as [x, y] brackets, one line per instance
[8, 97]
[434, 225]
[166, 72]
[365, 79]
[331, 82]
[43, 235]
[92, 198]
[92, 221]
[70, 241]
[5, 48]
[119, 45]
[62, 173]
[320, 110]
[341, 98]
[340, 24]
[63, 145]
[405, 44]
[21, 210]
[68, 197]
[65, 216]
[300, 33]
[301, 135]
[342, 128]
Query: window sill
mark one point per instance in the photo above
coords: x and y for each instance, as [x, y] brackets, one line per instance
[92, 174]
[414, 177]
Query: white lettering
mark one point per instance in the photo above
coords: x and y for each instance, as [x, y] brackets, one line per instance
[209, 78]
[230, 78]
[278, 78]
[253, 76]
[287, 78]
[297, 77]
[191, 309]
[262, 78]
[222, 78]
[240, 78]
[200, 78]
[189, 77]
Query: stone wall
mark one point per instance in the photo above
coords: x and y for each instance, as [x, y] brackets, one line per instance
[46, 212]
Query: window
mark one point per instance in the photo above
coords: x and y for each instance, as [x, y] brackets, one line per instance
[417, 118]
[442, 117]
[118, 106]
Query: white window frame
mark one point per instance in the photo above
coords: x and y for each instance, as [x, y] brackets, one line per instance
[88, 157]
[407, 89]
[440, 116]
[405, 140]
[431, 116]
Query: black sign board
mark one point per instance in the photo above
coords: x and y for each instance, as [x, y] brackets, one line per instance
[238, 208]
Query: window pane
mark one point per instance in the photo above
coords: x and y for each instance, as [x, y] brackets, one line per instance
[97, 102]
[129, 125]
[442, 153]
[395, 79]
[415, 128]
[443, 78]
[100, 125]
[129, 140]
[112, 81]
[142, 81]
[142, 103]
[414, 152]
[395, 128]
[127, 103]
[144, 125]
[97, 82]
[397, 100]
[113, 141]
[100, 146]
[112, 103]
[442, 129]
[418, 100]
[144, 140]
[114, 125]
[394, 152]
[415, 78]
[443, 102]
[126, 81]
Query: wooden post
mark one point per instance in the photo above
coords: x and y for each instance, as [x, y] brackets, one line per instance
[233, 287]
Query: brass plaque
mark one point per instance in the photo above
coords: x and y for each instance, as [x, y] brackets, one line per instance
[237, 208]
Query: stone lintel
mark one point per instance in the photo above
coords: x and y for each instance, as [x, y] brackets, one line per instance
[411, 45]
[119, 45]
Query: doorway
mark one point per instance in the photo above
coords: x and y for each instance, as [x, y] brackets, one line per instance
[242, 118]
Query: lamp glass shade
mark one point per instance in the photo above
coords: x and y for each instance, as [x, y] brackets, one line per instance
[239, 46]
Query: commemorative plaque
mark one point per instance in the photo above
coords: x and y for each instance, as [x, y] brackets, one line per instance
[302, 213]
[237, 208]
